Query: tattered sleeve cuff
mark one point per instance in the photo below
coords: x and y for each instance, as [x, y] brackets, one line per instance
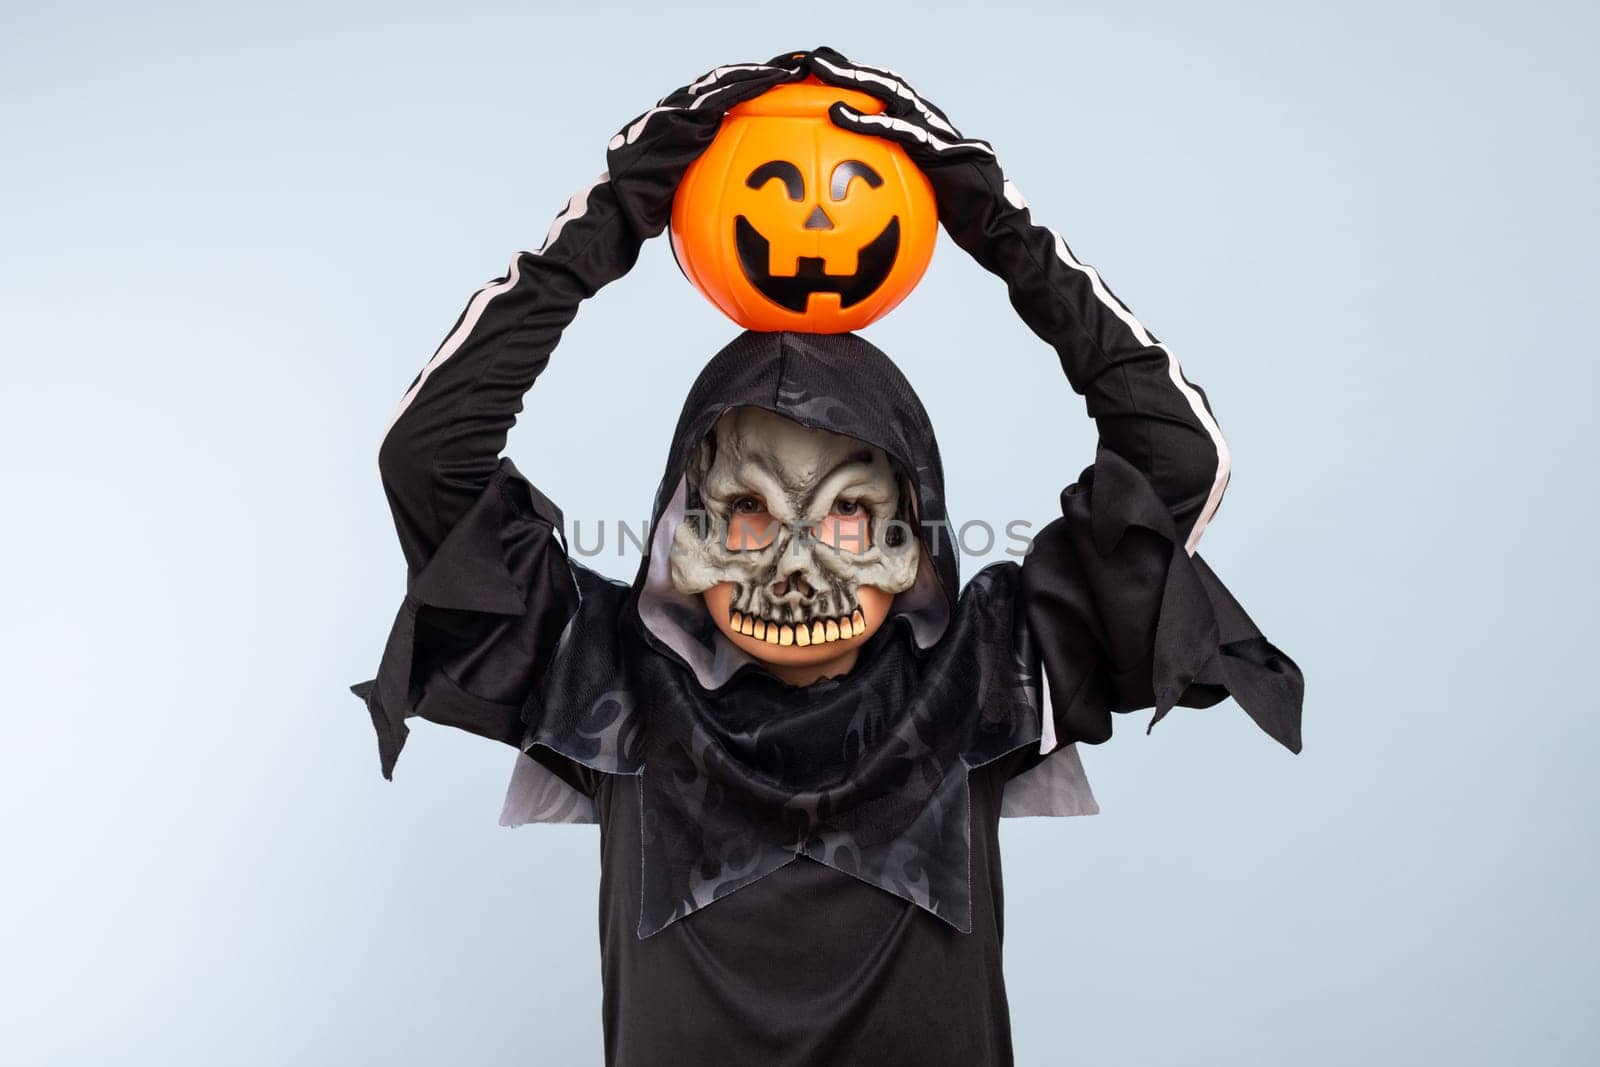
[1125, 618]
[497, 591]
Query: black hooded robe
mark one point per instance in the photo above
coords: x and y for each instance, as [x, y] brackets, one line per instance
[806, 875]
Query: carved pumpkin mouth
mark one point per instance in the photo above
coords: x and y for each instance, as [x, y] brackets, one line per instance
[792, 291]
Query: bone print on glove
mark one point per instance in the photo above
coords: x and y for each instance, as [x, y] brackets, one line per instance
[647, 158]
[972, 192]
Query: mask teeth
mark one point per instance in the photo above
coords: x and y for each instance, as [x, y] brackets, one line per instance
[803, 634]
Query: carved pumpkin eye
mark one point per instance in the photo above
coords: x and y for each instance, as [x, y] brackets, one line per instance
[851, 169]
[783, 171]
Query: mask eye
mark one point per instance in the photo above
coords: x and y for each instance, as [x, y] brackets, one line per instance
[847, 171]
[750, 528]
[784, 171]
[847, 507]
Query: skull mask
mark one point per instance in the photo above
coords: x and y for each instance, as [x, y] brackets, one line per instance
[792, 578]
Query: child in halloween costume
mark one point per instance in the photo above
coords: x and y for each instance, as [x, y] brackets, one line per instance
[856, 816]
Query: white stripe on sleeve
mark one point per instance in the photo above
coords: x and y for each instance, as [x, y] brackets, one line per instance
[1224, 459]
[576, 208]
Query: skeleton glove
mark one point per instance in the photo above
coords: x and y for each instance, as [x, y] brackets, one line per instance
[647, 158]
[966, 178]
[1061, 299]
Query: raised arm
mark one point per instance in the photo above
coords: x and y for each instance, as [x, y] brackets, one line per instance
[1146, 411]
[489, 587]
[1122, 612]
[1144, 408]
[443, 444]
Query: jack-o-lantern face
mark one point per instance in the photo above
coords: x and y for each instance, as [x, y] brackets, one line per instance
[788, 222]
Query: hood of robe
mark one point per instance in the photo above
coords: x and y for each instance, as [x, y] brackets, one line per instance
[835, 382]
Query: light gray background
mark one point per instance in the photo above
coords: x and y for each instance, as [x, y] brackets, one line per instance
[229, 236]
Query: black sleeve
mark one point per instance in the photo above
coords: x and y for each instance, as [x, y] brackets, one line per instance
[489, 587]
[1124, 614]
